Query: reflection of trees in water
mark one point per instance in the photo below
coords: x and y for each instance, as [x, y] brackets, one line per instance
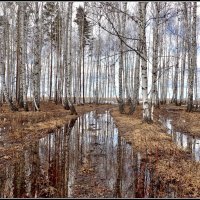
[50, 165]
[182, 139]
[35, 169]
[6, 181]
[119, 170]
[40, 168]
[48, 168]
[110, 155]
[189, 144]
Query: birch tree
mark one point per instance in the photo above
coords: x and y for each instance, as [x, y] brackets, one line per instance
[66, 104]
[193, 60]
[68, 67]
[21, 58]
[142, 25]
[154, 97]
[184, 49]
[121, 29]
[3, 22]
[37, 62]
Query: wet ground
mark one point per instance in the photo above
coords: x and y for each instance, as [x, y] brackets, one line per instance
[183, 139]
[85, 158]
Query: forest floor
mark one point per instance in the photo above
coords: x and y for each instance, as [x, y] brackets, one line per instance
[183, 121]
[172, 166]
[19, 129]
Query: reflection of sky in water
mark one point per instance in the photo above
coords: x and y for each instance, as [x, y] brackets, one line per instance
[115, 136]
[187, 142]
[181, 139]
[93, 139]
[196, 147]
[91, 128]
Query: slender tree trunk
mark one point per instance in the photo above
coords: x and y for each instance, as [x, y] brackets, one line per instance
[193, 60]
[66, 104]
[97, 69]
[155, 58]
[137, 74]
[146, 109]
[121, 66]
[20, 55]
[51, 67]
[37, 63]
[183, 72]
[3, 22]
[69, 77]
[175, 89]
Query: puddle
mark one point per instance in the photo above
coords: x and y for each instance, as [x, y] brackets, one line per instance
[183, 140]
[48, 168]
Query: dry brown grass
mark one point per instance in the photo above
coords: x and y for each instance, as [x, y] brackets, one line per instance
[183, 121]
[172, 165]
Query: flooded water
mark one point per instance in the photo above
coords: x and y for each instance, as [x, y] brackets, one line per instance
[48, 168]
[183, 140]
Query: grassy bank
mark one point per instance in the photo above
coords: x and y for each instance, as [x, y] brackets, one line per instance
[172, 166]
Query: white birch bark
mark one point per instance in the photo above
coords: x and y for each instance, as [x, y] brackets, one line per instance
[37, 62]
[3, 22]
[154, 89]
[69, 74]
[121, 26]
[175, 85]
[66, 105]
[137, 72]
[146, 109]
[193, 60]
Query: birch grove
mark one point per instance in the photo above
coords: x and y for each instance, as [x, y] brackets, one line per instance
[125, 53]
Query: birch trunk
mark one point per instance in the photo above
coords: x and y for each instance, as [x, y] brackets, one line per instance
[69, 75]
[175, 85]
[146, 109]
[20, 54]
[193, 61]
[155, 58]
[66, 104]
[121, 66]
[37, 63]
[22, 33]
[3, 22]
[137, 72]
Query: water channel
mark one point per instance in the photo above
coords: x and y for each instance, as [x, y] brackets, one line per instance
[183, 140]
[48, 167]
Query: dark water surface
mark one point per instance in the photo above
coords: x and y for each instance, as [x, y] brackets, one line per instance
[48, 167]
